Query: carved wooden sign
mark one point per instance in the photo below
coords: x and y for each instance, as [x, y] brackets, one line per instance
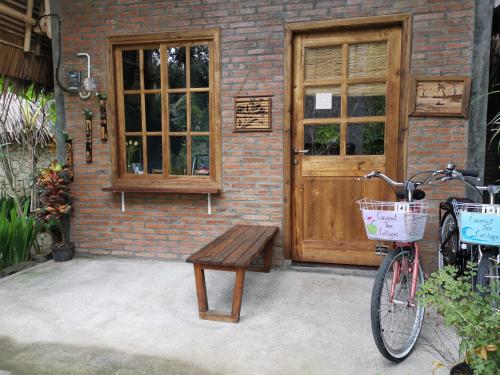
[104, 120]
[252, 113]
[104, 117]
[88, 135]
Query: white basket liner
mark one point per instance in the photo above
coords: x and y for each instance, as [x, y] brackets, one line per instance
[394, 221]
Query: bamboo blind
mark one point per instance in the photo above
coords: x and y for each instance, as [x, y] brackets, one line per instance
[334, 90]
[367, 89]
[323, 63]
[367, 59]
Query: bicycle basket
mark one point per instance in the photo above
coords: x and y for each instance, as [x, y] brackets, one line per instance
[394, 221]
[478, 223]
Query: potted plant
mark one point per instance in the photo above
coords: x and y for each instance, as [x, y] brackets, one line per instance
[473, 315]
[55, 206]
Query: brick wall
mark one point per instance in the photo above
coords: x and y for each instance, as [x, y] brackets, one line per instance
[173, 226]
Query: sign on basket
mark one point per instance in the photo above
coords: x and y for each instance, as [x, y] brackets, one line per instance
[394, 225]
[480, 228]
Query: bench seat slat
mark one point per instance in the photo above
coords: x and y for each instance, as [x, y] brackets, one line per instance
[216, 245]
[219, 251]
[245, 259]
[244, 248]
[238, 247]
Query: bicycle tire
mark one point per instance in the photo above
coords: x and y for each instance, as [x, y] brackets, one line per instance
[379, 332]
[452, 247]
[487, 270]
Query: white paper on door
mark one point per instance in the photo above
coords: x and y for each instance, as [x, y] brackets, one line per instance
[324, 100]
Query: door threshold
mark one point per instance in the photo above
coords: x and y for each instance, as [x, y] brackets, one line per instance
[336, 269]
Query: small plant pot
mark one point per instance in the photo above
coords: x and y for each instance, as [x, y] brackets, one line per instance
[461, 369]
[63, 252]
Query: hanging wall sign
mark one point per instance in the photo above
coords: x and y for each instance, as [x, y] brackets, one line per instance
[252, 113]
[69, 158]
[104, 121]
[88, 135]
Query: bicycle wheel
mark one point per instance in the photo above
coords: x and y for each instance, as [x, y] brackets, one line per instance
[449, 241]
[487, 278]
[395, 324]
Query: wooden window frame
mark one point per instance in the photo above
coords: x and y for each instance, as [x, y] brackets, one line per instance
[126, 182]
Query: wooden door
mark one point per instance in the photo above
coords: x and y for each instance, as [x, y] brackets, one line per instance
[346, 115]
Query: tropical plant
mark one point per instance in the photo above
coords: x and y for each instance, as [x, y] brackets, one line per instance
[55, 202]
[373, 138]
[27, 119]
[472, 315]
[17, 233]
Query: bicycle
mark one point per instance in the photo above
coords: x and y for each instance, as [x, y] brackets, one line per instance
[395, 316]
[479, 225]
[453, 251]
[401, 274]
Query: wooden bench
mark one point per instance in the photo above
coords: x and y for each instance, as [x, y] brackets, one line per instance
[233, 251]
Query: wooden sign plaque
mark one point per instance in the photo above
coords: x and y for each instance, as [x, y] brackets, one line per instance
[252, 113]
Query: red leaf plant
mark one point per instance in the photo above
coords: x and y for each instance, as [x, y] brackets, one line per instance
[54, 200]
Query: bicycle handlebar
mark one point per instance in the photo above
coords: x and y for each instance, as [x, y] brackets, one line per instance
[441, 175]
[468, 173]
[384, 177]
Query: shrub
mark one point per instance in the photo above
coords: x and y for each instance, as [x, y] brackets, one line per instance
[55, 202]
[475, 317]
[17, 233]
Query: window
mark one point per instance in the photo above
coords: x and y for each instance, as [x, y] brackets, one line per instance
[167, 133]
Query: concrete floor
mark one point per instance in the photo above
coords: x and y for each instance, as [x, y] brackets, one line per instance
[110, 316]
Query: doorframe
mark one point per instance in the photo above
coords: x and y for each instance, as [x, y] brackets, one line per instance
[402, 20]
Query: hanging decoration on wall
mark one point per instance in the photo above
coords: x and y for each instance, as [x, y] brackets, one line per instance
[88, 135]
[68, 142]
[440, 96]
[104, 120]
[252, 113]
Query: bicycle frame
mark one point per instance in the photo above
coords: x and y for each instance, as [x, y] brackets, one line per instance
[407, 268]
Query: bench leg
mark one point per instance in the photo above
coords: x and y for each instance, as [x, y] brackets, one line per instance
[201, 293]
[201, 288]
[268, 256]
[238, 293]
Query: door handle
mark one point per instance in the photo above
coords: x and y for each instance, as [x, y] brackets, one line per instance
[297, 151]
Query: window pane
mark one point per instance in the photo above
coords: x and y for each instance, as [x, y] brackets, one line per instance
[322, 139]
[200, 155]
[322, 102]
[153, 112]
[133, 154]
[323, 63]
[131, 75]
[367, 59]
[177, 112]
[155, 155]
[365, 139]
[133, 113]
[178, 156]
[199, 112]
[176, 67]
[366, 99]
[199, 66]
[152, 73]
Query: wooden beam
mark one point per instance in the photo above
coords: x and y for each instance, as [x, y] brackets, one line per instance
[27, 26]
[4, 9]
